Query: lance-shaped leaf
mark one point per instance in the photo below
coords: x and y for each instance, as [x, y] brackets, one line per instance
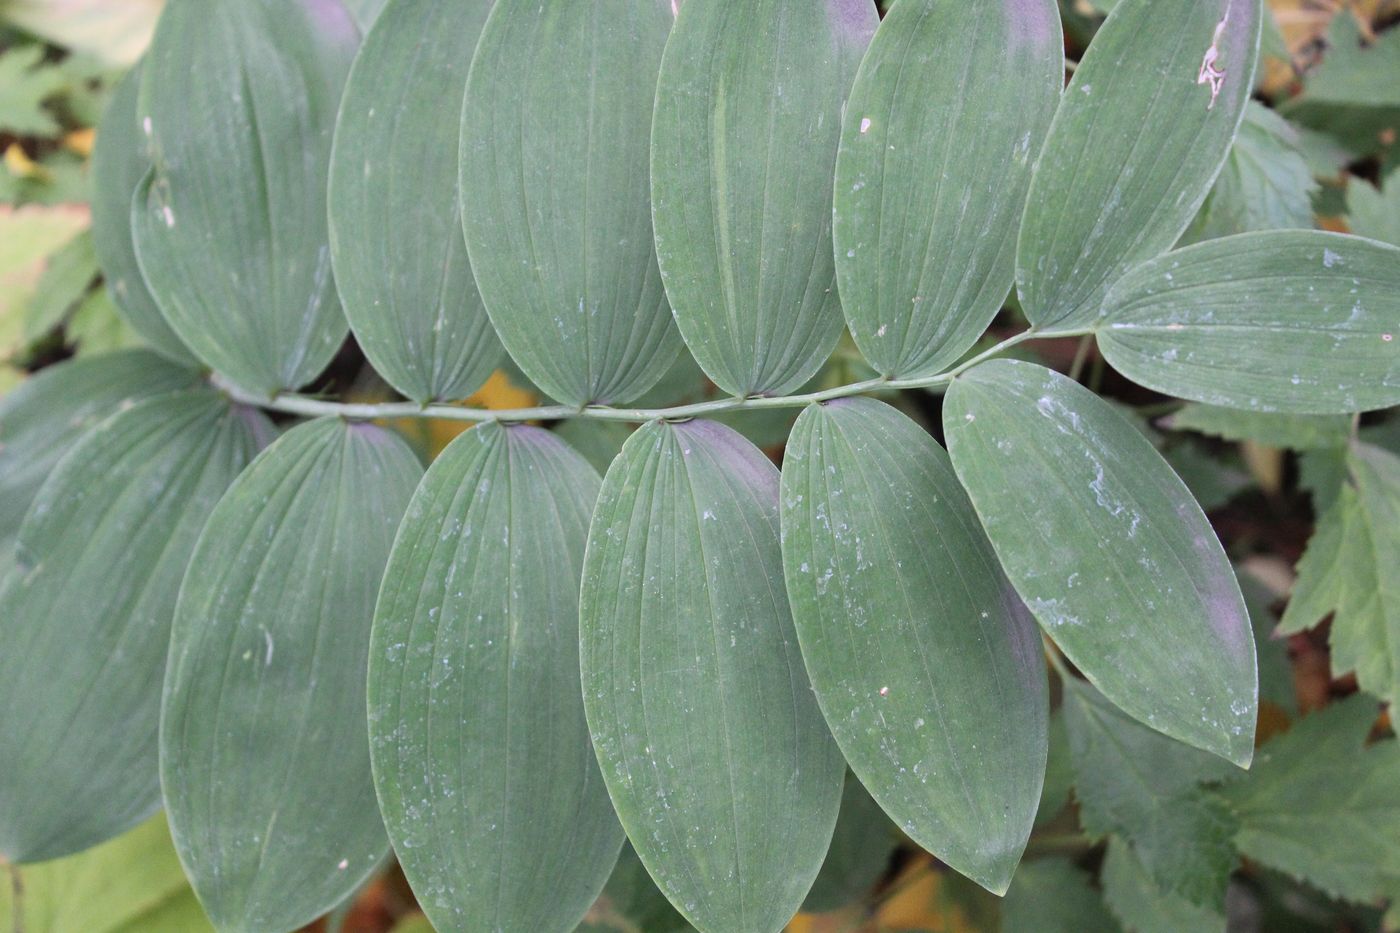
[264, 750]
[1109, 550]
[748, 119]
[1287, 321]
[927, 666]
[119, 165]
[42, 419]
[1349, 571]
[948, 112]
[556, 196]
[482, 760]
[238, 101]
[709, 739]
[1140, 136]
[396, 230]
[86, 619]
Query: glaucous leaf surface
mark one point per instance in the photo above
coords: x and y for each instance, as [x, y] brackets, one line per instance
[238, 101]
[366, 12]
[1348, 573]
[132, 884]
[395, 223]
[1322, 806]
[1289, 321]
[45, 416]
[264, 750]
[1109, 551]
[1144, 786]
[710, 742]
[1140, 136]
[482, 760]
[748, 119]
[119, 165]
[948, 112]
[85, 619]
[926, 664]
[556, 197]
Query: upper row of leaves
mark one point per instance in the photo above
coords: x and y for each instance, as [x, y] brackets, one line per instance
[777, 149]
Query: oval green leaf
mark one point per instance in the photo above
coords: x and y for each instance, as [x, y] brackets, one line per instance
[119, 165]
[1140, 136]
[86, 619]
[1289, 321]
[1109, 551]
[927, 666]
[238, 101]
[264, 750]
[48, 413]
[556, 200]
[395, 226]
[482, 760]
[710, 741]
[949, 110]
[748, 117]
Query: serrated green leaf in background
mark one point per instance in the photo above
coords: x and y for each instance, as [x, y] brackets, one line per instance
[238, 101]
[86, 617]
[927, 666]
[709, 739]
[1375, 213]
[67, 276]
[1138, 140]
[119, 165]
[1323, 808]
[1294, 432]
[264, 751]
[1142, 907]
[1302, 322]
[1143, 786]
[1349, 571]
[1357, 70]
[395, 223]
[748, 119]
[43, 418]
[26, 82]
[132, 884]
[1053, 895]
[1266, 183]
[1109, 550]
[860, 853]
[556, 197]
[948, 113]
[482, 760]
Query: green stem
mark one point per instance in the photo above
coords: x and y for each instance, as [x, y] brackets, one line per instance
[306, 406]
[1081, 356]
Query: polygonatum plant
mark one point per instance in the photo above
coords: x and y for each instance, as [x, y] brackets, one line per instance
[253, 607]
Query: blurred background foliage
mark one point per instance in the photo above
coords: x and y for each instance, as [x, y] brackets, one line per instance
[1319, 148]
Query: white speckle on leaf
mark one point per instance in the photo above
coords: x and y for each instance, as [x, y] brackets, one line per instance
[344, 864]
[884, 691]
[865, 126]
[169, 216]
[1330, 259]
[1387, 337]
[1209, 73]
[881, 331]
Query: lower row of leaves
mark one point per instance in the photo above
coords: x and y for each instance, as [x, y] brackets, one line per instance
[686, 653]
